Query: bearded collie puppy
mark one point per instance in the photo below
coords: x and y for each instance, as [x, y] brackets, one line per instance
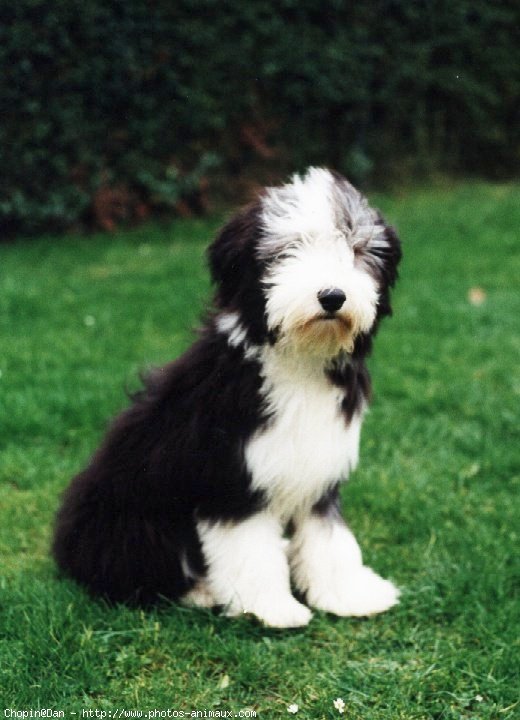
[218, 486]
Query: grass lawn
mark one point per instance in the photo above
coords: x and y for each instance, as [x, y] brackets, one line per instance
[434, 503]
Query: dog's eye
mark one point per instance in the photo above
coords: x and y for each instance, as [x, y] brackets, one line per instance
[288, 250]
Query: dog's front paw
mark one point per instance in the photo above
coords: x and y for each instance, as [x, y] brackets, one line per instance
[286, 614]
[361, 593]
[279, 613]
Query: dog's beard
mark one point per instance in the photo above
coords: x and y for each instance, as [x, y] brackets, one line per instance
[320, 335]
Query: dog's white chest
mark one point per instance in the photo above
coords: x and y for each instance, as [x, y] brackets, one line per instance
[306, 447]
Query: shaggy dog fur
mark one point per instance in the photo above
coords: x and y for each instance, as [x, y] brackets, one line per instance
[219, 485]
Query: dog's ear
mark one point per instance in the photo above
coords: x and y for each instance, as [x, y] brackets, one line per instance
[232, 257]
[390, 253]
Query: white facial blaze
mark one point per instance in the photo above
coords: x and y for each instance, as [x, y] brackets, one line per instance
[314, 265]
[313, 230]
[300, 209]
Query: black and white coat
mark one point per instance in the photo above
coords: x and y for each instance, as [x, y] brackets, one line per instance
[218, 486]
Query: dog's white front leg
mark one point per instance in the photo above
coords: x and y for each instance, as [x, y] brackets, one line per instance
[327, 566]
[248, 570]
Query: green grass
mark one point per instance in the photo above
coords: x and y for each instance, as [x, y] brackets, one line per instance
[434, 502]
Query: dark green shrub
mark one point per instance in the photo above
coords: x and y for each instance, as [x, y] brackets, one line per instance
[111, 109]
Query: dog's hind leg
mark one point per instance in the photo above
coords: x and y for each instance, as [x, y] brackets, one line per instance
[248, 570]
[199, 596]
[327, 567]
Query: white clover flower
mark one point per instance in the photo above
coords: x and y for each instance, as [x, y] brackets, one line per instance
[293, 709]
[339, 704]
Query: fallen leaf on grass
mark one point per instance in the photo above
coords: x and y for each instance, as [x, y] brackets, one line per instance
[476, 296]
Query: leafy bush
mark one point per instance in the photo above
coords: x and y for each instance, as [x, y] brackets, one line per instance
[111, 110]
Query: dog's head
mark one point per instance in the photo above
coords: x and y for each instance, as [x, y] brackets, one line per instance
[309, 266]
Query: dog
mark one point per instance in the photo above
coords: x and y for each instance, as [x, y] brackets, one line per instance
[219, 485]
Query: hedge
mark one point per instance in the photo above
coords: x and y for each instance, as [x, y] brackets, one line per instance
[111, 110]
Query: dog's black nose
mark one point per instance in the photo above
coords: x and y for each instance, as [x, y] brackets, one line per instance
[331, 299]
